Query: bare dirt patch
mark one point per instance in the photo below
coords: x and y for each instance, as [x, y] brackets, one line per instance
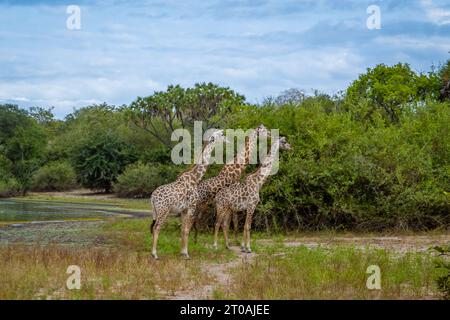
[400, 244]
[219, 272]
[79, 233]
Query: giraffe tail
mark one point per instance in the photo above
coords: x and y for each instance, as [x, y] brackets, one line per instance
[153, 224]
[153, 216]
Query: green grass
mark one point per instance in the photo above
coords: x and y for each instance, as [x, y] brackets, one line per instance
[338, 272]
[135, 235]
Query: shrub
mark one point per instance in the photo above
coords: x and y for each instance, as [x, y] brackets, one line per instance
[5, 167]
[442, 264]
[9, 188]
[139, 180]
[346, 174]
[101, 159]
[156, 155]
[56, 176]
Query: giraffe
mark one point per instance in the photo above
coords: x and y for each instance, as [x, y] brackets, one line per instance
[230, 173]
[244, 196]
[181, 196]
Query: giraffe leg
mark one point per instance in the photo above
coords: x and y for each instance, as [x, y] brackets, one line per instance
[247, 227]
[156, 227]
[187, 221]
[244, 235]
[225, 226]
[195, 226]
[236, 226]
[219, 218]
[199, 212]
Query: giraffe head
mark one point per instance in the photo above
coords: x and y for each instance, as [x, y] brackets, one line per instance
[284, 145]
[262, 131]
[216, 135]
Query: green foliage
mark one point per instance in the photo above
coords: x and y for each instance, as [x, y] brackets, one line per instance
[390, 90]
[345, 174]
[374, 159]
[22, 142]
[444, 75]
[442, 264]
[165, 111]
[444, 72]
[43, 116]
[55, 176]
[79, 127]
[156, 155]
[139, 180]
[100, 160]
[9, 187]
[5, 167]
[11, 117]
[20, 136]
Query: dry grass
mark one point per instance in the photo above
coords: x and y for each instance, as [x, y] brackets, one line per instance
[34, 272]
[120, 268]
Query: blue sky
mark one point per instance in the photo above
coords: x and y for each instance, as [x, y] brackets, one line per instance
[126, 49]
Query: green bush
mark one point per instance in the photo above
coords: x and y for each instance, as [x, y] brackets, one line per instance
[5, 167]
[139, 180]
[9, 188]
[56, 176]
[442, 264]
[347, 174]
[101, 159]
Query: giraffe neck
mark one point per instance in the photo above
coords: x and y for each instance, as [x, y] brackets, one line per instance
[201, 165]
[250, 146]
[235, 169]
[260, 176]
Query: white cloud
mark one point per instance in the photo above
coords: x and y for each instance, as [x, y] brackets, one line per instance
[436, 14]
[65, 94]
[257, 48]
[18, 99]
[407, 42]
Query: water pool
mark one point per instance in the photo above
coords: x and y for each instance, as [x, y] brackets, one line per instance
[17, 211]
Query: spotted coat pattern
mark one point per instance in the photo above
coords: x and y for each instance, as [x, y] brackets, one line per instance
[180, 197]
[244, 196]
[230, 173]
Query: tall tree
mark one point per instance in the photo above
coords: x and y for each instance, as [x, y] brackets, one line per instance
[177, 107]
[391, 89]
[101, 159]
[22, 142]
[444, 74]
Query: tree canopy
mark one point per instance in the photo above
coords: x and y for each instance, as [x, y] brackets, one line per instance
[391, 89]
[177, 107]
[374, 157]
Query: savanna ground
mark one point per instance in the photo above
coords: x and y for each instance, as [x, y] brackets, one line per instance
[114, 259]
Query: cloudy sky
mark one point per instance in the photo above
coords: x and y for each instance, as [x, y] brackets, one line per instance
[126, 49]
